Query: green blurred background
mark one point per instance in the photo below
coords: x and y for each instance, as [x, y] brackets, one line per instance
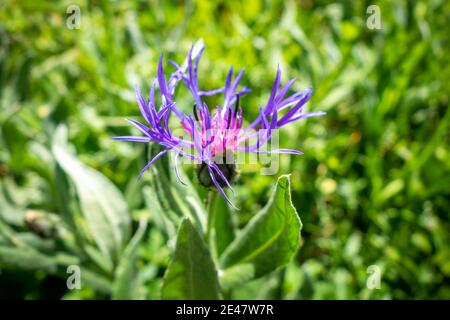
[372, 187]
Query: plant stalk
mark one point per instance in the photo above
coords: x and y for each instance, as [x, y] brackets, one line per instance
[210, 235]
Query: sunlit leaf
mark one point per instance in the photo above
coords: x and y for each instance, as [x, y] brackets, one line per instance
[25, 258]
[125, 275]
[191, 273]
[158, 215]
[271, 237]
[236, 275]
[176, 199]
[224, 226]
[101, 203]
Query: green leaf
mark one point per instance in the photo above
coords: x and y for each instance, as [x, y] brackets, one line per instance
[191, 274]
[271, 237]
[176, 200]
[25, 258]
[158, 214]
[98, 258]
[236, 275]
[125, 275]
[224, 226]
[96, 281]
[9, 213]
[101, 203]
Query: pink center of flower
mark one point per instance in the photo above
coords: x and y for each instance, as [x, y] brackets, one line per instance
[219, 132]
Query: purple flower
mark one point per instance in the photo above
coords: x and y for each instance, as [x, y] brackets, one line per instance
[214, 135]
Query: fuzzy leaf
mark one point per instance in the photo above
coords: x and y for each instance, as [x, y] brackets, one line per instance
[236, 275]
[271, 237]
[25, 258]
[101, 203]
[191, 275]
[176, 200]
[224, 226]
[125, 275]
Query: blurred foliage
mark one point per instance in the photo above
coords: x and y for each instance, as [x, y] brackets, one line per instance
[372, 187]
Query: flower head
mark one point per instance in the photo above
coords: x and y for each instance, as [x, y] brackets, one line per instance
[216, 135]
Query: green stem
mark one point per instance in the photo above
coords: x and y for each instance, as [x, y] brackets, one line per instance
[210, 226]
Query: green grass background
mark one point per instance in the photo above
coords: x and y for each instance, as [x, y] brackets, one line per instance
[372, 187]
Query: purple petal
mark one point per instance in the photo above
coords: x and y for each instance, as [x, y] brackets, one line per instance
[306, 115]
[237, 80]
[219, 188]
[210, 92]
[189, 63]
[291, 100]
[162, 80]
[296, 108]
[197, 60]
[148, 165]
[278, 151]
[132, 138]
[244, 90]
[140, 127]
[275, 87]
[224, 179]
[143, 106]
[284, 90]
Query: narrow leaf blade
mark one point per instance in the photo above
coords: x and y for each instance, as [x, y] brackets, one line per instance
[126, 273]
